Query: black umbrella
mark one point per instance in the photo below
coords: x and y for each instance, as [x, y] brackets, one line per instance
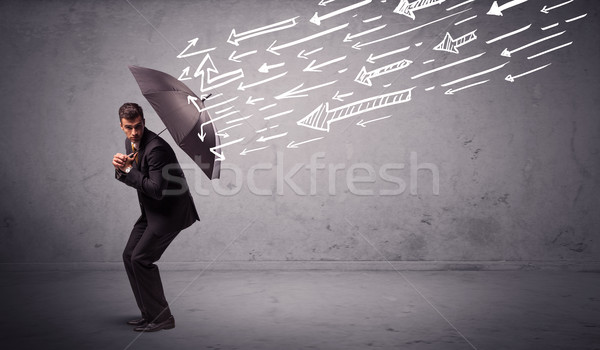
[187, 122]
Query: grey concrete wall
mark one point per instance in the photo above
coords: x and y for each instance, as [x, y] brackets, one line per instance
[518, 162]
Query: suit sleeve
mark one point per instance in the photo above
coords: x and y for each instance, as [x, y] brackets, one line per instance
[153, 184]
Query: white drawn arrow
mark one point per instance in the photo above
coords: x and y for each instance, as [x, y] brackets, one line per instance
[448, 65]
[316, 68]
[407, 9]
[193, 101]
[364, 123]
[316, 19]
[372, 58]
[246, 151]
[512, 78]
[273, 49]
[202, 134]
[193, 43]
[265, 67]
[277, 115]
[252, 101]
[233, 126]
[509, 34]
[547, 10]
[301, 54]
[549, 50]
[235, 38]
[322, 117]
[294, 144]
[452, 45]
[497, 10]
[452, 91]
[358, 45]
[364, 77]
[243, 87]
[340, 97]
[325, 2]
[235, 58]
[265, 139]
[221, 156]
[508, 53]
[475, 75]
[293, 93]
[211, 76]
[349, 36]
[186, 71]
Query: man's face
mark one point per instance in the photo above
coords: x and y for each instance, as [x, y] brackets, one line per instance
[133, 129]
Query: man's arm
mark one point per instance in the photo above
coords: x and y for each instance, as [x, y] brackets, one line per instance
[153, 184]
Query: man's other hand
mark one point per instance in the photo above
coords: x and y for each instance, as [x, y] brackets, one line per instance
[121, 161]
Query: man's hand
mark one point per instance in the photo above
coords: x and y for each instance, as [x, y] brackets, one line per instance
[121, 161]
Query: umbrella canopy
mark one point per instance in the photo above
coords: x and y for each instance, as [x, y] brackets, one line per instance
[170, 98]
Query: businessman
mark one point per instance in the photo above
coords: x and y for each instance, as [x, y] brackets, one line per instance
[150, 166]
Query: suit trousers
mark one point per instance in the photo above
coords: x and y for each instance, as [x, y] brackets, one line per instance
[143, 249]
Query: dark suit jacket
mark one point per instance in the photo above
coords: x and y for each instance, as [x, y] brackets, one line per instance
[163, 193]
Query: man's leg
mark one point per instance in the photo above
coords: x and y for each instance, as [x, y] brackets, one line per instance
[134, 238]
[148, 250]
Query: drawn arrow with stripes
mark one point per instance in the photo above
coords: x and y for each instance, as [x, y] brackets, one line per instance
[408, 8]
[508, 53]
[512, 78]
[325, 2]
[295, 144]
[452, 45]
[322, 117]
[316, 19]
[316, 68]
[364, 77]
[235, 38]
[299, 93]
[496, 10]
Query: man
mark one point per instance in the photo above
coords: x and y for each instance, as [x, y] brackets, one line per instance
[151, 167]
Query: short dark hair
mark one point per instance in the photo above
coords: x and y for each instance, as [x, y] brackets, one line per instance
[130, 111]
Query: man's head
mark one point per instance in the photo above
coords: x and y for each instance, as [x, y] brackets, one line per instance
[131, 116]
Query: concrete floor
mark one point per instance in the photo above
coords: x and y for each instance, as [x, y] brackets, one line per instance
[308, 310]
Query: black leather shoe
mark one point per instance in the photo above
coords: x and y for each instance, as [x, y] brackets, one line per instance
[169, 323]
[137, 322]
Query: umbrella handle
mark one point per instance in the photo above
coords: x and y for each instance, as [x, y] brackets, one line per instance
[206, 98]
